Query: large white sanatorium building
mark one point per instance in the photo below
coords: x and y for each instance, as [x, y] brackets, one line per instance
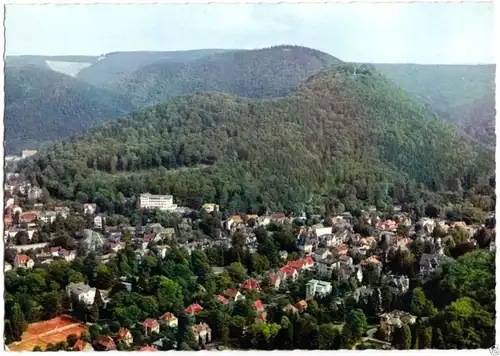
[161, 202]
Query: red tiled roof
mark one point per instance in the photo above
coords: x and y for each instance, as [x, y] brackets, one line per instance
[309, 260]
[222, 299]
[168, 316]
[278, 216]
[150, 323]
[258, 305]
[106, 341]
[193, 308]
[230, 292]
[22, 258]
[274, 277]
[147, 348]
[250, 285]
[123, 333]
[200, 327]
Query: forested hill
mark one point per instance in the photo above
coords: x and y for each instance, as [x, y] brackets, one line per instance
[43, 105]
[463, 95]
[263, 73]
[115, 64]
[348, 132]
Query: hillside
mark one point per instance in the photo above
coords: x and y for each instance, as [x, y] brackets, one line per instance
[41, 61]
[263, 73]
[43, 105]
[463, 95]
[113, 65]
[348, 132]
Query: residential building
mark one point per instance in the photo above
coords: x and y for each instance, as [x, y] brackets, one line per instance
[83, 292]
[63, 253]
[250, 285]
[62, 210]
[83, 346]
[233, 295]
[397, 284]
[274, 280]
[98, 222]
[34, 193]
[318, 288]
[105, 343]
[150, 326]
[301, 306]
[147, 348]
[320, 230]
[428, 263]
[89, 209]
[23, 261]
[28, 153]
[203, 333]
[7, 267]
[48, 217]
[193, 309]
[210, 207]
[321, 254]
[233, 222]
[223, 300]
[170, 320]
[395, 319]
[125, 336]
[160, 202]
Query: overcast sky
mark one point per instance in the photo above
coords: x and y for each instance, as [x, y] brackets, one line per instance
[416, 33]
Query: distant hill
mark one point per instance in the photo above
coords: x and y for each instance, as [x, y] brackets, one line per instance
[348, 132]
[263, 73]
[112, 65]
[463, 95]
[43, 105]
[40, 61]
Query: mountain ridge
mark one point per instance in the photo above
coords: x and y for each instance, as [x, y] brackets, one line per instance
[347, 132]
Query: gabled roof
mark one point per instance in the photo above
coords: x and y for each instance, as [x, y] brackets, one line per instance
[230, 292]
[168, 317]
[22, 258]
[222, 299]
[193, 308]
[147, 348]
[123, 333]
[258, 305]
[150, 323]
[106, 341]
[250, 285]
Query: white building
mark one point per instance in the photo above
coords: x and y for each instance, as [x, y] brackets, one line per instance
[98, 220]
[82, 291]
[320, 230]
[89, 208]
[318, 288]
[48, 217]
[34, 193]
[161, 202]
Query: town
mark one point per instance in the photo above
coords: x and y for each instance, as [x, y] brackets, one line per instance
[203, 279]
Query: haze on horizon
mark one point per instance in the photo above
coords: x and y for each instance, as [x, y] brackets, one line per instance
[424, 33]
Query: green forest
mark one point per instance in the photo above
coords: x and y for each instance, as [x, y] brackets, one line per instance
[264, 73]
[348, 133]
[42, 105]
[463, 95]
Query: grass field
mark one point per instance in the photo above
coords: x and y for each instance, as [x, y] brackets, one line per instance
[46, 332]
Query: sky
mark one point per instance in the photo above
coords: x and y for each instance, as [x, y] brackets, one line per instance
[426, 33]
